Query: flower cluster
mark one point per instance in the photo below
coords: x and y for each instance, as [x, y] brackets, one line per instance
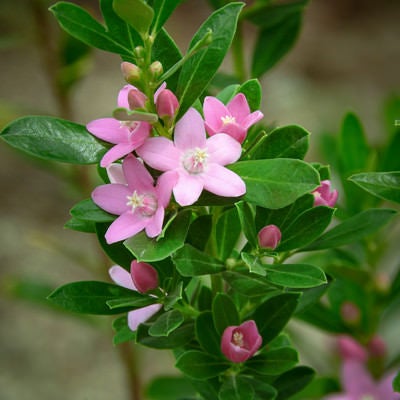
[187, 160]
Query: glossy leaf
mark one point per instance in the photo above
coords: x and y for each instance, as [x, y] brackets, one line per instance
[53, 139]
[147, 249]
[291, 382]
[169, 388]
[396, 383]
[227, 232]
[253, 92]
[246, 217]
[136, 13]
[199, 231]
[192, 262]
[250, 285]
[206, 334]
[224, 312]
[163, 10]
[306, 228]
[87, 210]
[79, 225]
[253, 263]
[276, 183]
[353, 229]
[122, 331]
[90, 297]
[198, 365]
[295, 275]
[166, 323]
[235, 388]
[274, 362]
[80, 24]
[385, 185]
[198, 71]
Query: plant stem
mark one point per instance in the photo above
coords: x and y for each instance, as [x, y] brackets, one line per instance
[127, 355]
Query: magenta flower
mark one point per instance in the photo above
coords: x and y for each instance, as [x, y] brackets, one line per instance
[323, 196]
[239, 343]
[135, 317]
[359, 385]
[144, 276]
[166, 103]
[234, 119]
[133, 197]
[269, 237]
[126, 135]
[193, 162]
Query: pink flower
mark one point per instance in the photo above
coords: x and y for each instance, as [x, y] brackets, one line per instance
[193, 162]
[126, 135]
[239, 343]
[323, 196]
[136, 317]
[166, 103]
[359, 385]
[350, 349]
[269, 237]
[234, 119]
[133, 197]
[144, 276]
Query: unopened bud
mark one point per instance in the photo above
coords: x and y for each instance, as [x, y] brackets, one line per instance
[144, 276]
[350, 313]
[156, 70]
[350, 349]
[131, 72]
[269, 237]
[167, 104]
[139, 52]
[136, 99]
[377, 347]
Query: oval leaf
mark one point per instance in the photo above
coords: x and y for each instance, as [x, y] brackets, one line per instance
[166, 323]
[136, 13]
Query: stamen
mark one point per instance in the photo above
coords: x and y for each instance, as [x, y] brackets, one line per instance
[145, 204]
[195, 160]
[237, 339]
[228, 119]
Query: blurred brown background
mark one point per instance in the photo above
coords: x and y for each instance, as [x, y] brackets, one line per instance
[347, 58]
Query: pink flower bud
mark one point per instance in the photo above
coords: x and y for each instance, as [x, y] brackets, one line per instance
[239, 343]
[377, 347]
[144, 276]
[167, 104]
[323, 196]
[349, 349]
[136, 99]
[269, 237]
[131, 72]
[350, 313]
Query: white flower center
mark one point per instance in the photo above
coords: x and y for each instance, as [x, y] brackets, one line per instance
[237, 339]
[131, 125]
[195, 160]
[228, 119]
[145, 204]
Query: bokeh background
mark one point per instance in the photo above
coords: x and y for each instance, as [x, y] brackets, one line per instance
[347, 58]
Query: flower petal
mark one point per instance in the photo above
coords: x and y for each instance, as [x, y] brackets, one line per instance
[356, 379]
[115, 153]
[121, 277]
[116, 174]
[154, 227]
[239, 107]
[137, 317]
[188, 189]
[123, 96]
[137, 176]
[189, 131]
[111, 197]
[385, 388]
[222, 149]
[109, 130]
[214, 110]
[252, 119]
[125, 226]
[160, 153]
[223, 182]
[165, 184]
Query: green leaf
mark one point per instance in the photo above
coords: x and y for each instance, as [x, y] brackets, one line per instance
[79, 225]
[80, 24]
[250, 285]
[263, 390]
[198, 71]
[295, 275]
[206, 334]
[385, 185]
[53, 139]
[306, 228]
[274, 42]
[163, 10]
[253, 92]
[166, 323]
[253, 263]
[136, 13]
[123, 114]
[396, 383]
[122, 331]
[192, 262]
[147, 249]
[199, 231]
[276, 183]
[177, 338]
[390, 160]
[235, 388]
[274, 362]
[353, 229]
[87, 210]
[198, 365]
[135, 300]
[272, 315]
[169, 388]
[289, 141]
[224, 312]
[227, 232]
[89, 297]
[291, 382]
[246, 217]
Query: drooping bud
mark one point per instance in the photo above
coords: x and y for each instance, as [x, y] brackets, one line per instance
[377, 347]
[269, 237]
[156, 70]
[131, 72]
[323, 196]
[239, 343]
[144, 276]
[349, 349]
[136, 99]
[350, 313]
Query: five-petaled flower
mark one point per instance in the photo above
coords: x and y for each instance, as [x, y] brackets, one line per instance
[193, 162]
[123, 278]
[133, 196]
[324, 196]
[234, 119]
[239, 343]
[126, 135]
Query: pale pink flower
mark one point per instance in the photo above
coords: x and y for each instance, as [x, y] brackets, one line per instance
[239, 343]
[269, 237]
[194, 162]
[133, 197]
[126, 135]
[323, 196]
[234, 119]
[135, 317]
